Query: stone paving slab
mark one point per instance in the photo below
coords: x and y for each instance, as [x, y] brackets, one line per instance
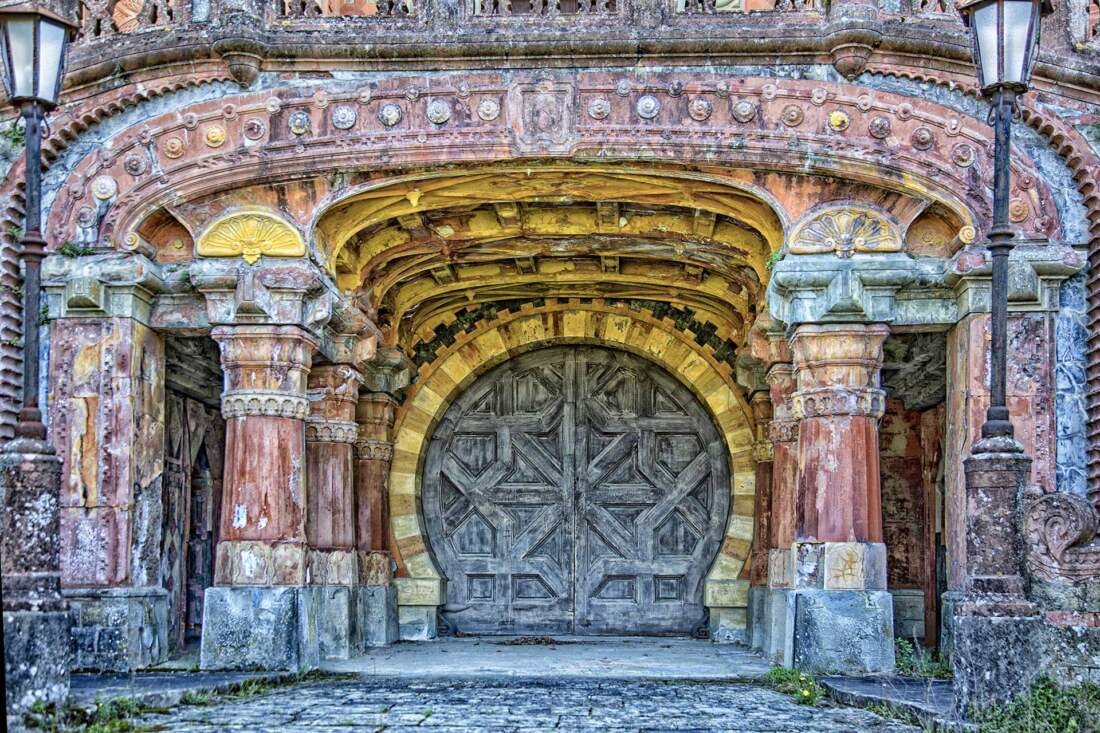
[163, 689]
[930, 701]
[609, 706]
[568, 657]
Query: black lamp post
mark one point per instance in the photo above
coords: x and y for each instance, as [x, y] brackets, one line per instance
[32, 43]
[1006, 40]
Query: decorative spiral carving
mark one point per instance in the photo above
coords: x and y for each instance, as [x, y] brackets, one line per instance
[1061, 536]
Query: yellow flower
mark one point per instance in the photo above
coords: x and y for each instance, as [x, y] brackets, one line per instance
[805, 693]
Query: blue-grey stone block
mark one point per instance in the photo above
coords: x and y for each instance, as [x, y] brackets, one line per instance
[269, 628]
[841, 631]
[376, 616]
[417, 623]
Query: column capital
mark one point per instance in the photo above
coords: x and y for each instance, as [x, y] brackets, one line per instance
[265, 370]
[119, 284]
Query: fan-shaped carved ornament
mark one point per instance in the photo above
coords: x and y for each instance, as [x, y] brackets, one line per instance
[845, 231]
[251, 235]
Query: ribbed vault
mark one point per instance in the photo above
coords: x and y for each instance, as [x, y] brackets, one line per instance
[420, 249]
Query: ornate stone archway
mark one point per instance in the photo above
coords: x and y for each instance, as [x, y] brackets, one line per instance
[617, 326]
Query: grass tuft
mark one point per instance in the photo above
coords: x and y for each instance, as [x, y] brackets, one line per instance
[1046, 708]
[915, 661]
[800, 685]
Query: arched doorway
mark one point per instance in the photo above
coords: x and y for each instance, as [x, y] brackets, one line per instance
[576, 489]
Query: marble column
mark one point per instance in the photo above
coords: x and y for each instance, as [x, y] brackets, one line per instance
[783, 433]
[374, 452]
[332, 567]
[760, 403]
[258, 615]
[843, 613]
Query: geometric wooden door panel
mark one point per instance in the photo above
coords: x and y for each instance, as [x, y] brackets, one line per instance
[575, 490]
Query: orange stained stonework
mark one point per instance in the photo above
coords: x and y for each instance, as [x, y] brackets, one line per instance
[838, 403]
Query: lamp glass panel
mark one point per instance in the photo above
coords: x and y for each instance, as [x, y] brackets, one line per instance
[1017, 21]
[50, 59]
[20, 36]
[985, 30]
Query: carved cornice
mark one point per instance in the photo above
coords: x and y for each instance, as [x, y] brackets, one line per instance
[831, 401]
[320, 430]
[268, 403]
[367, 449]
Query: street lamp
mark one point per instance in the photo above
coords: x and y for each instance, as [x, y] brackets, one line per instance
[1006, 40]
[32, 44]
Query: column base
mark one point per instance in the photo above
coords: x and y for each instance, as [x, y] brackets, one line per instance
[265, 627]
[728, 625]
[118, 629]
[376, 616]
[418, 623]
[844, 631]
[984, 674]
[758, 598]
[779, 606]
[37, 650]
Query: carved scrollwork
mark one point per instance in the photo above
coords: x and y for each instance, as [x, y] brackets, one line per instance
[1061, 537]
[320, 430]
[245, 403]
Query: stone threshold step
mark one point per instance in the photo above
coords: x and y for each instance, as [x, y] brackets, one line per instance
[930, 701]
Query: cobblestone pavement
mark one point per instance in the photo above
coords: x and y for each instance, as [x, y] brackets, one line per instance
[580, 705]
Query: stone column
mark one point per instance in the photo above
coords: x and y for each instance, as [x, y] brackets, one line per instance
[258, 615]
[760, 403]
[843, 613]
[783, 433]
[374, 452]
[332, 567]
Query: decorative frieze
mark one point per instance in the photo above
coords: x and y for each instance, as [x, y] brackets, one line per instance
[829, 401]
[783, 431]
[367, 449]
[320, 430]
[267, 403]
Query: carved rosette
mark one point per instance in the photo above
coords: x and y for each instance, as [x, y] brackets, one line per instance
[368, 449]
[266, 403]
[1062, 545]
[320, 430]
[830, 401]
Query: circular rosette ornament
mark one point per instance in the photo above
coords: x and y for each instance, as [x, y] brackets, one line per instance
[299, 122]
[439, 111]
[599, 108]
[488, 109]
[700, 109]
[343, 117]
[648, 107]
[390, 114]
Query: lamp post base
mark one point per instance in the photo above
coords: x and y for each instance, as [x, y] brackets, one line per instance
[37, 626]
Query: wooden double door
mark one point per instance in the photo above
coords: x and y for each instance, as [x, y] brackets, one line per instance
[576, 490]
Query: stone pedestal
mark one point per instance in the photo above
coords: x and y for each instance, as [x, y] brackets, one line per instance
[261, 614]
[843, 615]
[36, 621]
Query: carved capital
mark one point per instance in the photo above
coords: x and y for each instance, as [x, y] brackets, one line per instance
[264, 402]
[321, 430]
[830, 401]
[367, 449]
[763, 451]
[783, 431]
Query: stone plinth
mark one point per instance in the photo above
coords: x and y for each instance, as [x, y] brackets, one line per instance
[36, 621]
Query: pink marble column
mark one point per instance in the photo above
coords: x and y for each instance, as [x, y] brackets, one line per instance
[838, 403]
[263, 523]
[331, 432]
